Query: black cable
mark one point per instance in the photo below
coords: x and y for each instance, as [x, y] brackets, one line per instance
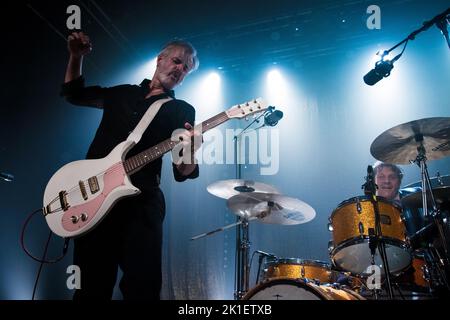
[41, 265]
[401, 53]
[22, 243]
[42, 260]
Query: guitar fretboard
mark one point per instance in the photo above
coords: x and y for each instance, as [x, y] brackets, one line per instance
[138, 161]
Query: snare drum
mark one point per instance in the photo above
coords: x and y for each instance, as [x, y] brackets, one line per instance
[294, 268]
[292, 289]
[350, 223]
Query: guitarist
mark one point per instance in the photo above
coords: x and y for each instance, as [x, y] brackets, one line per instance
[130, 236]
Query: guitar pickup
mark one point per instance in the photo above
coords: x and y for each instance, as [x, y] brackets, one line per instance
[83, 189]
[93, 184]
[63, 200]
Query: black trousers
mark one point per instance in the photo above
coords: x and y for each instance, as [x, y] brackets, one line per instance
[130, 236]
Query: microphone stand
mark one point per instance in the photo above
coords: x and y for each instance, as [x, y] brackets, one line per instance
[242, 268]
[376, 236]
[439, 20]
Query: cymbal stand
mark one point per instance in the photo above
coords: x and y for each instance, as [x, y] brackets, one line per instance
[209, 233]
[376, 236]
[242, 266]
[443, 263]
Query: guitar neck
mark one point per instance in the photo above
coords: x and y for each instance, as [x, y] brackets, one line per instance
[140, 160]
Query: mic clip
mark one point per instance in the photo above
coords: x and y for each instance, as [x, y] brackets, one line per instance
[384, 67]
[370, 187]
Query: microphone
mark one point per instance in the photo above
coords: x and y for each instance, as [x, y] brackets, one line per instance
[6, 177]
[272, 117]
[370, 172]
[382, 69]
[266, 254]
[370, 186]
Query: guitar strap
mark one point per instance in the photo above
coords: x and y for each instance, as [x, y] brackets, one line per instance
[151, 112]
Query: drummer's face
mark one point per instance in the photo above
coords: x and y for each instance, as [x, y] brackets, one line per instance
[388, 183]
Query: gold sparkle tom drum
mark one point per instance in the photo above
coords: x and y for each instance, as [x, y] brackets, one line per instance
[350, 223]
[294, 268]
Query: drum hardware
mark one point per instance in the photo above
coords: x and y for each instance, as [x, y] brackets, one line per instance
[436, 271]
[421, 140]
[267, 208]
[349, 249]
[376, 234]
[242, 269]
[262, 255]
[221, 229]
[366, 230]
[227, 189]
[249, 201]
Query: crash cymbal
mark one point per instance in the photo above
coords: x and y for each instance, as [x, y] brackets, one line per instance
[398, 145]
[228, 188]
[271, 208]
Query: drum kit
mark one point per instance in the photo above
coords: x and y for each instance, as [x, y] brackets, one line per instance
[406, 241]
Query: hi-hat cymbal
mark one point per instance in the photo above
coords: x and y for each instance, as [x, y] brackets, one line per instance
[413, 191]
[398, 145]
[271, 208]
[228, 188]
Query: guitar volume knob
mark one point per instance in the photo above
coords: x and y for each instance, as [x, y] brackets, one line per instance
[74, 219]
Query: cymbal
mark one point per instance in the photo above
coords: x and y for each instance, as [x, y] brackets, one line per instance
[414, 200]
[441, 192]
[228, 188]
[398, 145]
[271, 208]
[440, 181]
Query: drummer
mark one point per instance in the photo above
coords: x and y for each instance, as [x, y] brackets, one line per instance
[388, 178]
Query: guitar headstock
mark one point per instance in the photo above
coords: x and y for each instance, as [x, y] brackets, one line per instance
[247, 108]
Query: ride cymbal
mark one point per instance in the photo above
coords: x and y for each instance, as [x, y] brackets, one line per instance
[399, 145]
